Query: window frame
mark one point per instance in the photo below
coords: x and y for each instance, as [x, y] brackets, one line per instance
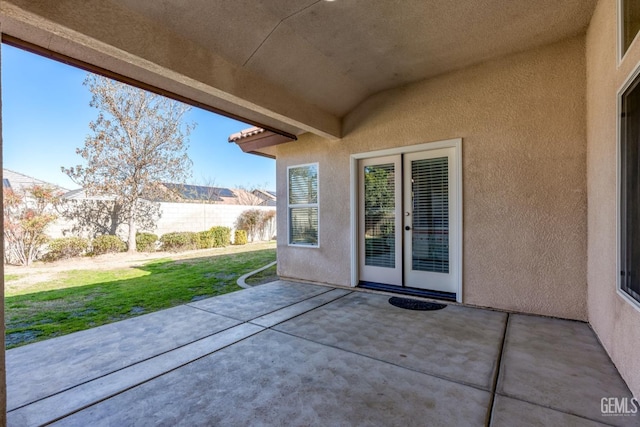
[632, 80]
[303, 205]
[620, 30]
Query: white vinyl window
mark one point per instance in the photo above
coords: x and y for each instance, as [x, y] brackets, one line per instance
[628, 25]
[302, 205]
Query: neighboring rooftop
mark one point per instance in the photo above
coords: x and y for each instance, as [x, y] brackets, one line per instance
[219, 195]
[269, 197]
[18, 181]
[198, 192]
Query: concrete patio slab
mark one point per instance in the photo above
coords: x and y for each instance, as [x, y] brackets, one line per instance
[255, 302]
[456, 343]
[276, 379]
[316, 355]
[559, 364]
[47, 367]
[507, 410]
[91, 392]
[272, 319]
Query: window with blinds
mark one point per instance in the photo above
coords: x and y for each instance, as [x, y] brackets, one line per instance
[303, 205]
[430, 198]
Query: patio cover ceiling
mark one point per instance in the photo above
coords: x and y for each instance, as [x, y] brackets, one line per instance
[292, 65]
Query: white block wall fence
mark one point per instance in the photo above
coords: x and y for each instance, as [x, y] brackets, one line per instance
[200, 217]
[181, 217]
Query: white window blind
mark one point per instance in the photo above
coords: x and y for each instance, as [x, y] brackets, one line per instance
[303, 205]
[430, 191]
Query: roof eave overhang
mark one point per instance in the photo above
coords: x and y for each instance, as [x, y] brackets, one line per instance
[254, 143]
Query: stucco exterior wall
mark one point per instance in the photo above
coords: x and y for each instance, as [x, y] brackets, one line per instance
[614, 320]
[522, 121]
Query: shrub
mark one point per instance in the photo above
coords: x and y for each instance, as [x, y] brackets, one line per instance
[221, 236]
[107, 244]
[216, 237]
[66, 247]
[146, 242]
[240, 237]
[179, 241]
[205, 240]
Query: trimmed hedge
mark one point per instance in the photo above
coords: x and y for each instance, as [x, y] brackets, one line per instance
[107, 244]
[66, 247]
[180, 241]
[205, 240]
[221, 236]
[216, 237]
[146, 242]
[240, 237]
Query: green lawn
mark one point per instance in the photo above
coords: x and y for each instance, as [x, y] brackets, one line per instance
[81, 299]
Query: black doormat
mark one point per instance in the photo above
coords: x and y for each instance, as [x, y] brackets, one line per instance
[412, 304]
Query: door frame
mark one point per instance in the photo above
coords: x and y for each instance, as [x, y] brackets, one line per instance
[456, 144]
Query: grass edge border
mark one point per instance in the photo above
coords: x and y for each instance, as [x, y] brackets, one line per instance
[242, 279]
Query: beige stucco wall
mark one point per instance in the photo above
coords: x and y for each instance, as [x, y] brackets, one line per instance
[614, 320]
[522, 121]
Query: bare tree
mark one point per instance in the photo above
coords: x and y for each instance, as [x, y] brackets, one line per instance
[244, 195]
[259, 224]
[138, 141]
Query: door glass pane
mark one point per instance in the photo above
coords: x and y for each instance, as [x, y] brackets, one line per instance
[379, 215]
[430, 202]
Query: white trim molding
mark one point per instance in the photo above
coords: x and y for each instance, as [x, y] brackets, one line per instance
[620, 33]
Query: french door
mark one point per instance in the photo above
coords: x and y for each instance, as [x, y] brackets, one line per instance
[407, 227]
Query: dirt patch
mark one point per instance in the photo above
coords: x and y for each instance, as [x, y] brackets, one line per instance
[219, 276]
[137, 310]
[16, 338]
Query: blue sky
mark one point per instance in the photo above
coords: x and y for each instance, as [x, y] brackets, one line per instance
[46, 113]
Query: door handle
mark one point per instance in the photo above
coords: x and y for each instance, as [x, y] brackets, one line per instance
[407, 228]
